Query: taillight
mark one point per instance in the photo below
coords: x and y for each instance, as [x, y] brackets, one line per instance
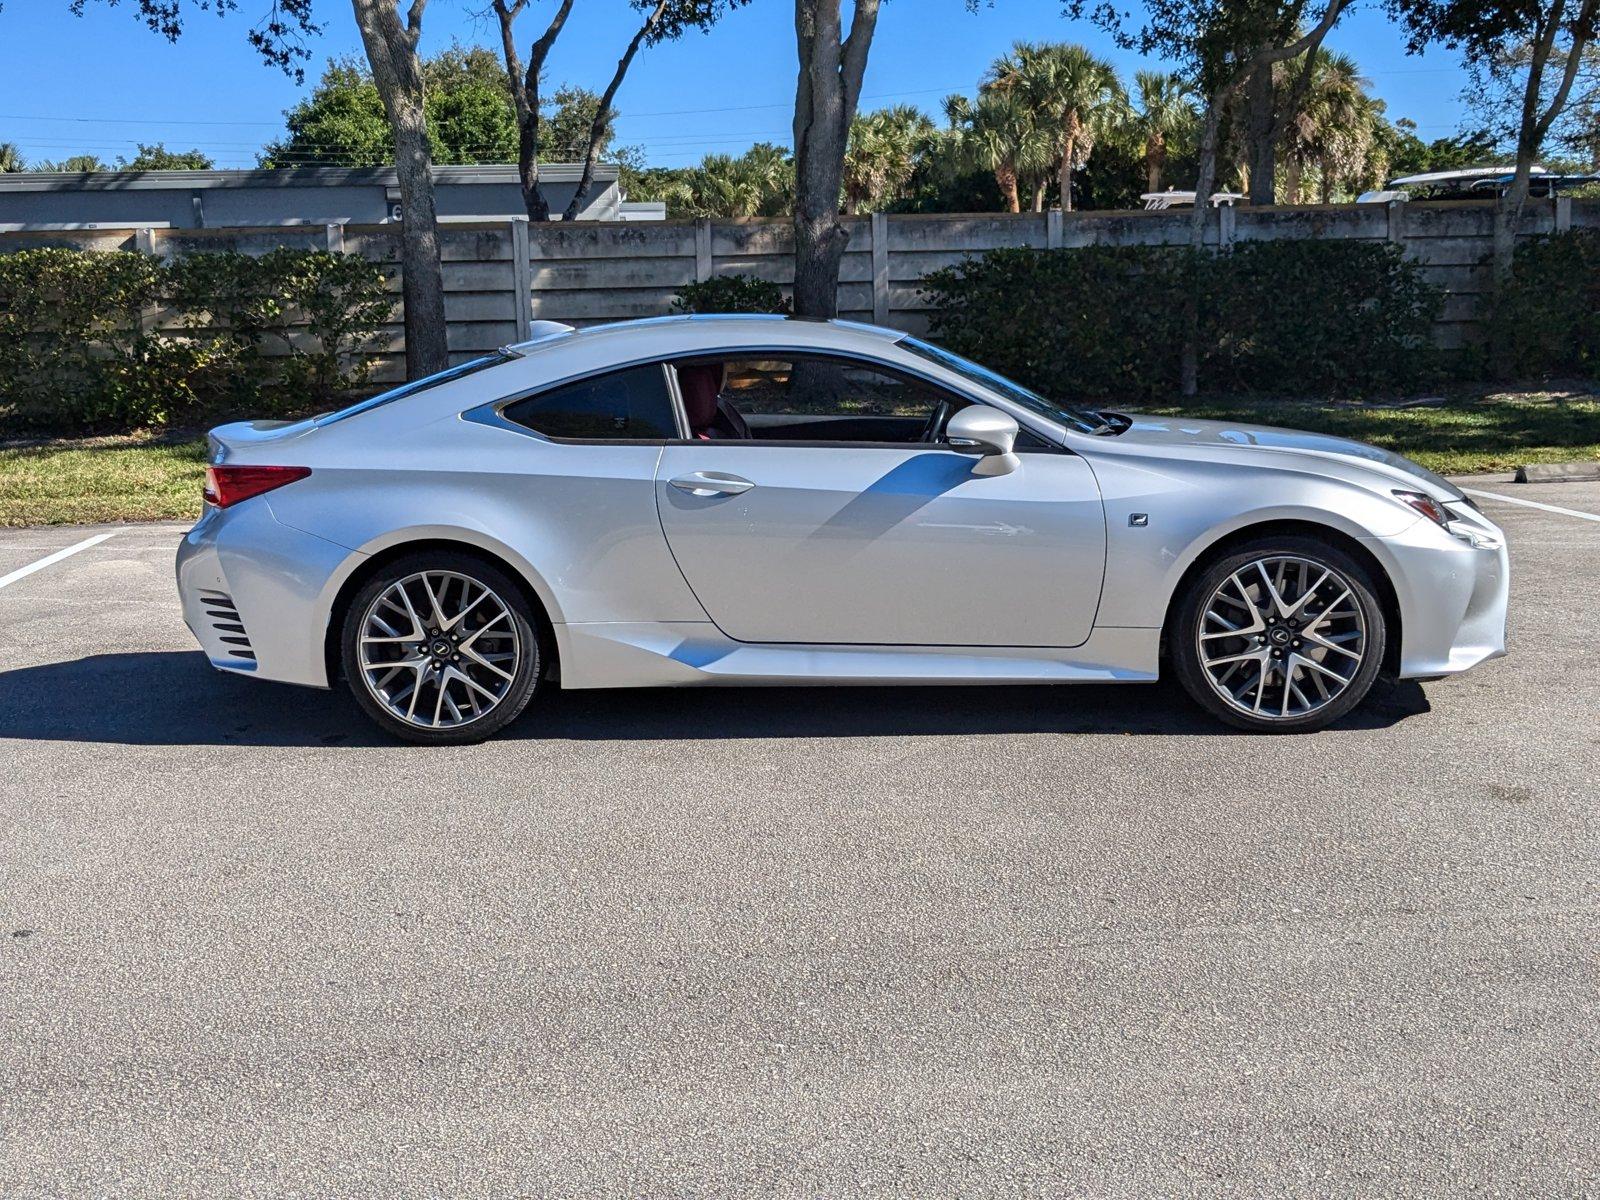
[228, 485]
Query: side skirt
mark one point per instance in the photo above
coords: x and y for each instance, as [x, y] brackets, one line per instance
[696, 653]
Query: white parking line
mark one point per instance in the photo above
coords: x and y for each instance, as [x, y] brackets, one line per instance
[1555, 508]
[24, 572]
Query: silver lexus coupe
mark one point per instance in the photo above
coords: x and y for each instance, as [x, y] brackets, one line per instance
[760, 500]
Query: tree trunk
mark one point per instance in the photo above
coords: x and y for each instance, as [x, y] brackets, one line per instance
[1155, 158]
[1507, 216]
[597, 130]
[528, 166]
[524, 88]
[392, 53]
[1038, 196]
[1261, 136]
[1069, 144]
[1189, 356]
[826, 92]
[1293, 171]
[1006, 176]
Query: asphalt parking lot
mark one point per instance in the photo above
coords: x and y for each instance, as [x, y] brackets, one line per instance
[931, 941]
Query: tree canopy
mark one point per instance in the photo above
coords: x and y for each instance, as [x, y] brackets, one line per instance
[470, 116]
[156, 157]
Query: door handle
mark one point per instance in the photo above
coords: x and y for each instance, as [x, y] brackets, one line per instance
[711, 483]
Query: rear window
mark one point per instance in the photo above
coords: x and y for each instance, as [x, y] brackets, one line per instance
[633, 405]
[421, 385]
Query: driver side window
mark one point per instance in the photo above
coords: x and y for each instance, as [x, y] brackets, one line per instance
[811, 398]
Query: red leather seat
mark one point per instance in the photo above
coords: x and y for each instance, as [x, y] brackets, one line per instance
[708, 414]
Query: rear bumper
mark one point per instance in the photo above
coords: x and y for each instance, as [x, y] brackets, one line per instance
[1452, 593]
[255, 593]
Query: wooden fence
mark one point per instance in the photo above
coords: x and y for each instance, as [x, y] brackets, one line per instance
[501, 275]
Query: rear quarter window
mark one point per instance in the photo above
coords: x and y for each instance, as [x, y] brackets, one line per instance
[631, 405]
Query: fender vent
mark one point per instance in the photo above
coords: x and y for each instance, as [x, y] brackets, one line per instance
[225, 620]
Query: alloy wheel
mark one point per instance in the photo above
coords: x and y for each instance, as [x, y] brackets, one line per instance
[1282, 637]
[439, 649]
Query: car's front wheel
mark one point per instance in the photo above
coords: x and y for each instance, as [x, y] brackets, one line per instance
[1284, 635]
[441, 648]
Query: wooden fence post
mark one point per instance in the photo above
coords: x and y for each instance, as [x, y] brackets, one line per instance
[880, 268]
[521, 278]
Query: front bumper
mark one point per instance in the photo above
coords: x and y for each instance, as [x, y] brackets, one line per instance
[256, 593]
[1453, 590]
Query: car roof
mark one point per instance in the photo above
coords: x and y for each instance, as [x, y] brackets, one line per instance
[690, 333]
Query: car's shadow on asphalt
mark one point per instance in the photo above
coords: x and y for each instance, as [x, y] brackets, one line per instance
[177, 699]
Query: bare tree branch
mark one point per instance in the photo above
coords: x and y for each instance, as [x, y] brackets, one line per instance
[1584, 21]
[853, 58]
[414, 21]
[603, 114]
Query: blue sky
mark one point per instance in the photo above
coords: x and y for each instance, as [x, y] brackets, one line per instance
[99, 83]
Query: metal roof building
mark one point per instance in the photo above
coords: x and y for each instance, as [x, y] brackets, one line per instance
[289, 196]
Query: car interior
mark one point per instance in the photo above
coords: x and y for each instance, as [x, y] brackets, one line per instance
[809, 399]
[794, 399]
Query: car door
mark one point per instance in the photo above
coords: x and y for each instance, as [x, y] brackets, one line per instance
[883, 544]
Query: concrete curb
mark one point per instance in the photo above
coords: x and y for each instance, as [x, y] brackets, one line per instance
[1567, 472]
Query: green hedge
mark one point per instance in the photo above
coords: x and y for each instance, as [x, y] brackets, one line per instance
[107, 342]
[1108, 323]
[1548, 316]
[731, 294]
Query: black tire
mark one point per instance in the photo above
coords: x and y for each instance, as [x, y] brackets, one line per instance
[1186, 630]
[519, 616]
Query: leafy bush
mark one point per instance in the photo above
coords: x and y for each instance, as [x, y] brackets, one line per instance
[70, 331]
[95, 342]
[731, 294]
[1105, 323]
[1548, 316]
[1317, 317]
[1092, 324]
[314, 312]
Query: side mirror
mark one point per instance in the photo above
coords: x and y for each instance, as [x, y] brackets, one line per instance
[986, 432]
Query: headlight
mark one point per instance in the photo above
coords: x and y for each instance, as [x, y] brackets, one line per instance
[1427, 506]
[1478, 539]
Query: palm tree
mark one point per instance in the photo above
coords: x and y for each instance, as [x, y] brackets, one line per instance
[999, 134]
[882, 155]
[1069, 88]
[11, 159]
[1166, 114]
[770, 169]
[1331, 128]
[1374, 166]
[759, 183]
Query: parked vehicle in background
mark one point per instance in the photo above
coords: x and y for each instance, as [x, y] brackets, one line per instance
[739, 500]
[1472, 183]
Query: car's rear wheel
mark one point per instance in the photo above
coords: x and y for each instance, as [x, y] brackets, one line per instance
[1284, 635]
[441, 648]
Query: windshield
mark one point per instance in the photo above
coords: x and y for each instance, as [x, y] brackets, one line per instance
[1072, 418]
[421, 385]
